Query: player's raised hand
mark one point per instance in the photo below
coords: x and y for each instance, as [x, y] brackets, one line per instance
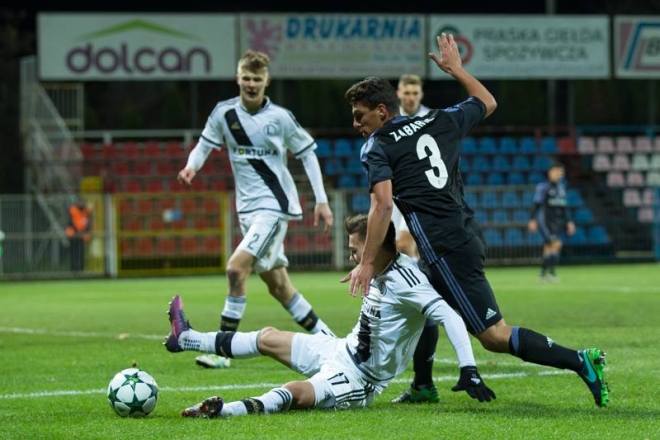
[449, 57]
[322, 211]
[186, 175]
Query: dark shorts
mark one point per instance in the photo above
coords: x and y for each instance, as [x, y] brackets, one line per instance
[550, 231]
[459, 277]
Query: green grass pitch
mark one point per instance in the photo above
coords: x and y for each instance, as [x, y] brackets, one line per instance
[62, 342]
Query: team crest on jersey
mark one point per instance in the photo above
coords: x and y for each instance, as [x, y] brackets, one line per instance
[271, 129]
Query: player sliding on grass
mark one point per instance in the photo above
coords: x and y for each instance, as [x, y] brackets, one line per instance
[343, 373]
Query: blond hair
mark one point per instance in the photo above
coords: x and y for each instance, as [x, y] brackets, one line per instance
[409, 79]
[253, 60]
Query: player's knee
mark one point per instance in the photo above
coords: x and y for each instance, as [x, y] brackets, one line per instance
[495, 338]
[303, 394]
[267, 338]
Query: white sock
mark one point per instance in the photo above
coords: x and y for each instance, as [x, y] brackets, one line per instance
[244, 345]
[234, 307]
[298, 307]
[275, 400]
[194, 340]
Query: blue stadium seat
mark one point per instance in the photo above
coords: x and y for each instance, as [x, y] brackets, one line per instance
[493, 237]
[515, 179]
[464, 164]
[487, 145]
[535, 178]
[361, 202]
[501, 216]
[358, 143]
[508, 145]
[541, 163]
[527, 145]
[480, 164]
[471, 199]
[474, 179]
[549, 145]
[364, 181]
[510, 199]
[347, 181]
[353, 166]
[514, 237]
[482, 216]
[520, 216]
[495, 179]
[573, 198]
[333, 167]
[343, 147]
[489, 200]
[501, 164]
[323, 148]
[598, 235]
[528, 199]
[578, 238]
[583, 216]
[468, 146]
[521, 163]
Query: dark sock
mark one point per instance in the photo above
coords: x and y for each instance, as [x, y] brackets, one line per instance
[539, 349]
[309, 321]
[553, 260]
[424, 352]
[223, 344]
[229, 324]
[254, 406]
[545, 264]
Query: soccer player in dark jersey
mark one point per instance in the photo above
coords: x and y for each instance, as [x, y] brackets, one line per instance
[551, 217]
[414, 163]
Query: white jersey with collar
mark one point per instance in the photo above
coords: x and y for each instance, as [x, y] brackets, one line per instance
[421, 111]
[257, 145]
[391, 320]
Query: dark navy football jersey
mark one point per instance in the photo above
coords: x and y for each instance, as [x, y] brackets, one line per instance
[550, 203]
[421, 157]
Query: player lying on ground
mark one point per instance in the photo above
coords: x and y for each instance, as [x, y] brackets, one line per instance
[343, 373]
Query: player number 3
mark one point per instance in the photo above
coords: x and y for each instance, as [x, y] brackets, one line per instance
[427, 147]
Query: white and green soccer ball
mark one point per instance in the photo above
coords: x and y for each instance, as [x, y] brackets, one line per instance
[133, 393]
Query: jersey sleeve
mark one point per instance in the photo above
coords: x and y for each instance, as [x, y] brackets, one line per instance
[374, 161]
[297, 139]
[467, 114]
[539, 199]
[212, 136]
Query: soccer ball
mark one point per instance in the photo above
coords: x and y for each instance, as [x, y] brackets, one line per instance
[133, 393]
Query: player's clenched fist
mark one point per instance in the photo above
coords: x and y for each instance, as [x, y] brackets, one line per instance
[186, 175]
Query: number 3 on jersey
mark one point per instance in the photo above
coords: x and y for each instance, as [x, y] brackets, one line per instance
[427, 147]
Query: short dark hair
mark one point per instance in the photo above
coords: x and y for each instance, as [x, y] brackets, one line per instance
[556, 164]
[372, 91]
[357, 224]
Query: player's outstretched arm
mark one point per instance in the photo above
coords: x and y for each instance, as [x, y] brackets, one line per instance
[449, 61]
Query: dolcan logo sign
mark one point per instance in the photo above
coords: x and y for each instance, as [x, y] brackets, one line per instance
[144, 59]
[150, 47]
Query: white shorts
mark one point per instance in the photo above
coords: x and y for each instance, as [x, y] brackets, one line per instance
[336, 380]
[399, 222]
[263, 237]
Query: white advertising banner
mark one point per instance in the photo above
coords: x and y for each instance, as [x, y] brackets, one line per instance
[337, 45]
[89, 46]
[637, 47]
[527, 46]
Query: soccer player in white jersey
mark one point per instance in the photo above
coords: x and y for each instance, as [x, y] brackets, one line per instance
[342, 373]
[258, 134]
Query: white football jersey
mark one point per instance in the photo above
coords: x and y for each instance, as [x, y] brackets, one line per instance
[421, 111]
[257, 145]
[391, 320]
